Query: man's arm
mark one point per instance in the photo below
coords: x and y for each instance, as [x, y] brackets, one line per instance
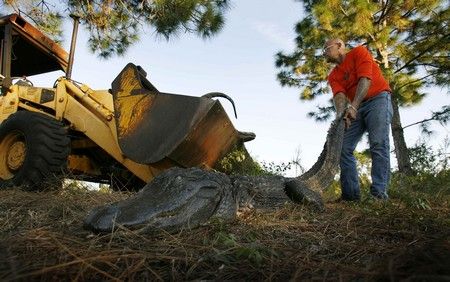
[340, 103]
[361, 91]
[350, 111]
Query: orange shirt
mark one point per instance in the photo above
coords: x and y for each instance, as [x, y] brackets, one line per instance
[357, 63]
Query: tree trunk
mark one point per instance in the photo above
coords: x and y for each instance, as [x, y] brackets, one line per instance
[401, 151]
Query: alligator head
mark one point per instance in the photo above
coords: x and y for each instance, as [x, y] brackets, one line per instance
[175, 199]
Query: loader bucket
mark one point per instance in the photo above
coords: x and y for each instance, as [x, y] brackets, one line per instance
[152, 126]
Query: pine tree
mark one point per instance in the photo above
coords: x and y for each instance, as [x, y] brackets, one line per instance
[114, 25]
[409, 39]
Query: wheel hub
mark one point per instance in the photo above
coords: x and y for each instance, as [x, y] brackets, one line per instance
[16, 155]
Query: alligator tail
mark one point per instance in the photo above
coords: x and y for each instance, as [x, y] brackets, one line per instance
[307, 187]
[322, 173]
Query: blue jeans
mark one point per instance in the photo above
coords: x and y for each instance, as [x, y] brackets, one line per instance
[374, 116]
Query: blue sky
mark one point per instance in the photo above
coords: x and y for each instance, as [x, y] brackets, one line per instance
[239, 62]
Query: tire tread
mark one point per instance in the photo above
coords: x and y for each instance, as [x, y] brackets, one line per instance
[48, 147]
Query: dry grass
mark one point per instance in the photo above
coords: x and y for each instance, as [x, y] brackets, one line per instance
[42, 239]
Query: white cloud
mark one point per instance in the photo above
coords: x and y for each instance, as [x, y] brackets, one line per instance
[275, 34]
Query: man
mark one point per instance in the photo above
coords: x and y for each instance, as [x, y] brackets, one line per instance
[362, 95]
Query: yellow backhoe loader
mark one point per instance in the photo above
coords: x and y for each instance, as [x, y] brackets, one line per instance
[123, 136]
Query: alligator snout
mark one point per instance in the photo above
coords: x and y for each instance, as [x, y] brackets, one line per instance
[178, 198]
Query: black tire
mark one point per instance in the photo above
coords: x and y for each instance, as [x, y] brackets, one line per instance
[33, 151]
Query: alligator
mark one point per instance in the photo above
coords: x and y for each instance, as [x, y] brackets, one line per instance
[182, 198]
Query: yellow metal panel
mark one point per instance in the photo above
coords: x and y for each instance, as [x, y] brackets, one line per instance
[61, 99]
[9, 103]
[88, 102]
[101, 132]
[31, 94]
[103, 97]
[131, 105]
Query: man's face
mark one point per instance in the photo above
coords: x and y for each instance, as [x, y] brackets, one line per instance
[331, 51]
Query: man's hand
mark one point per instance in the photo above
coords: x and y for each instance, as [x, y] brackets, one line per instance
[350, 115]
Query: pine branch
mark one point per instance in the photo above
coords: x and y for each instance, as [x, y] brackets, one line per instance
[435, 116]
[421, 54]
[384, 12]
[408, 13]
[430, 65]
[414, 81]
[343, 11]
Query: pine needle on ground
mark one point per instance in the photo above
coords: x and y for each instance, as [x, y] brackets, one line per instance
[42, 238]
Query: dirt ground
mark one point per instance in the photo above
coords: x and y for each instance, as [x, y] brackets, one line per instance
[42, 238]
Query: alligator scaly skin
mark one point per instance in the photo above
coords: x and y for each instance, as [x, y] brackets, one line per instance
[186, 198]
